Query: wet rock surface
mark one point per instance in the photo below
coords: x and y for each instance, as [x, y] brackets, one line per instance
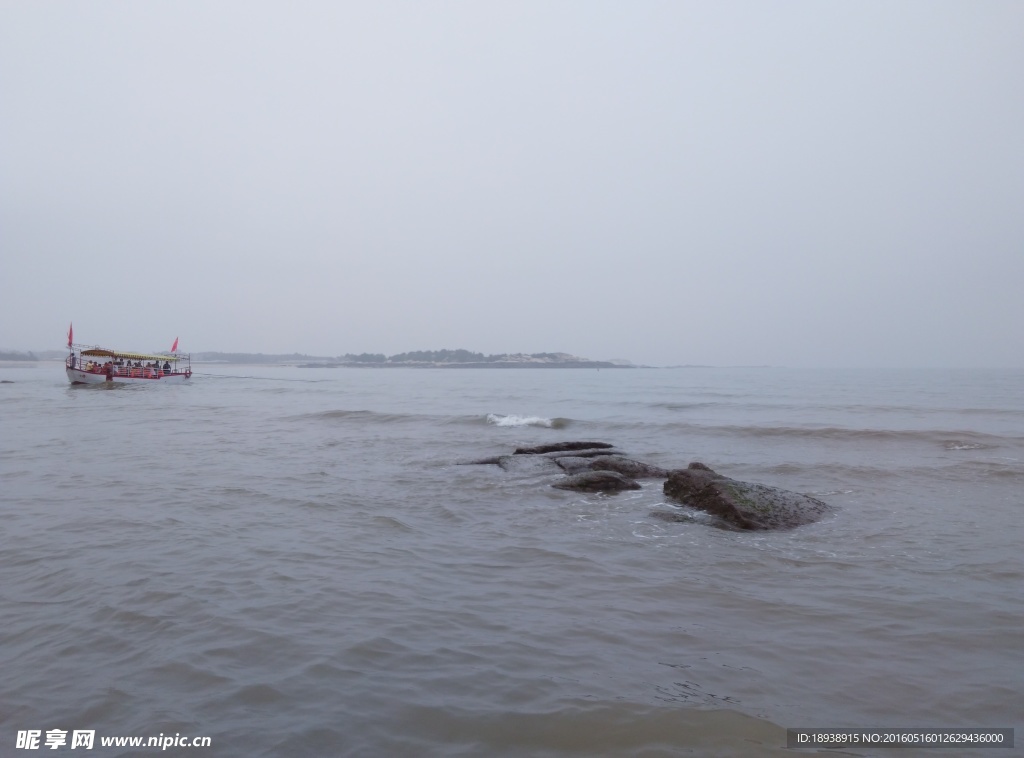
[562, 447]
[742, 504]
[572, 464]
[590, 466]
[529, 464]
[597, 481]
[628, 467]
[585, 453]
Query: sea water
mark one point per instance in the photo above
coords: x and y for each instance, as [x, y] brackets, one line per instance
[295, 562]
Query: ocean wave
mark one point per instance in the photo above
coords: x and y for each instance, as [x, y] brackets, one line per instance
[677, 406]
[376, 417]
[344, 415]
[1002, 469]
[960, 445]
[947, 439]
[496, 419]
[840, 433]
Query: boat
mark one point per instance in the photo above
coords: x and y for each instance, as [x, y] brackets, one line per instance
[90, 364]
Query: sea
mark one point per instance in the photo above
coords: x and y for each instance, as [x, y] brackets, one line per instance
[289, 561]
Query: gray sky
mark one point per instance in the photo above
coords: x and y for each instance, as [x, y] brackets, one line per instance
[786, 183]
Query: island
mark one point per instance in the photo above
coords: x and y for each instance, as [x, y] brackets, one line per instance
[463, 359]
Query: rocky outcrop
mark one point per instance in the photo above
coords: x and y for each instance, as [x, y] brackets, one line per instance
[598, 467]
[587, 453]
[628, 467]
[572, 464]
[592, 466]
[742, 504]
[562, 447]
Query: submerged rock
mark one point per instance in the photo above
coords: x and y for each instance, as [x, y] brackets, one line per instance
[591, 466]
[491, 460]
[584, 453]
[742, 504]
[553, 451]
[571, 464]
[628, 467]
[617, 463]
[556, 447]
[597, 481]
[528, 464]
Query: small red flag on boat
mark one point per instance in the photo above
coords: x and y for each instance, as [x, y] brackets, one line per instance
[71, 332]
[174, 347]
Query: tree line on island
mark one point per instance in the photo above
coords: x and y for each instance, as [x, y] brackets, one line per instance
[420, 359]
[454, 356]
[468, 358]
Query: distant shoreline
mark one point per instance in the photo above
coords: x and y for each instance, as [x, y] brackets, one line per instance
[238, 359]
[286, 361]
[477, 364]
[18, 359]
[427, 359]
[415, 359]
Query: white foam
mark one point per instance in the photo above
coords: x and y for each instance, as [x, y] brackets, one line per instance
[498, 420]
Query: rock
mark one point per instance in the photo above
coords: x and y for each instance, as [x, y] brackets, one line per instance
[597, 481]
[554, 451]
[677, 515]
[628, 467]
[617, 463]
[743, 504]
[494, 459]
[574, 465]
[555, 447]
[528, 464]
[585, 453]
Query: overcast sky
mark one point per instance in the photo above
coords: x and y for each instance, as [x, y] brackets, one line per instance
[785, 183]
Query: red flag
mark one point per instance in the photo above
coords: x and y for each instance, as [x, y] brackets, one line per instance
[174, 347]
[71, 332]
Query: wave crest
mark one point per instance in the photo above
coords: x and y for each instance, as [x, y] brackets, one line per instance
[497, 419]
[960, 445]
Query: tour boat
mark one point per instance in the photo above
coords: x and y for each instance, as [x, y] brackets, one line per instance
[88, 364]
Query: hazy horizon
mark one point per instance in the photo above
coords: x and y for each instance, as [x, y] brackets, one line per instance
[732, 184]
[58, 354]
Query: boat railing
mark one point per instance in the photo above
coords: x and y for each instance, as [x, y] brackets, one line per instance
[180, 366]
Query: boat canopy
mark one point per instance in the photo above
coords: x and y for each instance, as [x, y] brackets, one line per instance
[99, 352]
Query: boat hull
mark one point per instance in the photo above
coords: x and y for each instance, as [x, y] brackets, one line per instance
[78, 376]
